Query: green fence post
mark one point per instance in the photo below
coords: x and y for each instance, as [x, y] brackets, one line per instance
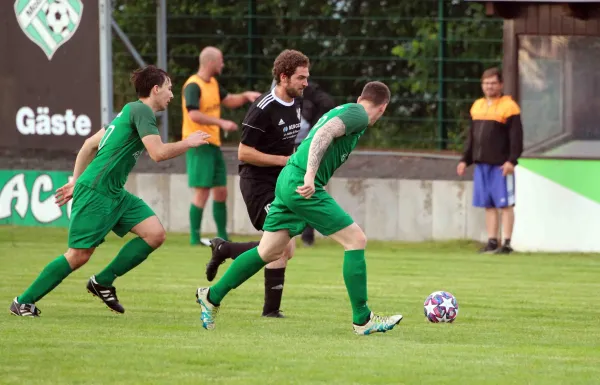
[442, 131]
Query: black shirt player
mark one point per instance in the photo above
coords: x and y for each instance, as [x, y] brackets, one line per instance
[268, 134]
[269, 128]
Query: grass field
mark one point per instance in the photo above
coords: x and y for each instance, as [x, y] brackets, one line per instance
[523, 319]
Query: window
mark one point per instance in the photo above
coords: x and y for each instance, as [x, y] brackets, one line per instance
[559, 89]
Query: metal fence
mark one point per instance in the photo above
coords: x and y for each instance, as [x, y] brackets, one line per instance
[431, 57]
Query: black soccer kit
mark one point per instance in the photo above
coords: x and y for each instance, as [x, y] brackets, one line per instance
[270, 126]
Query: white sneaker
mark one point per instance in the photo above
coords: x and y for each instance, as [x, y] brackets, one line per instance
[377, 324]
[209, 311]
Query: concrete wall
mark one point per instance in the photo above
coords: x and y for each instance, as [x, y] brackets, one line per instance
[387, 209]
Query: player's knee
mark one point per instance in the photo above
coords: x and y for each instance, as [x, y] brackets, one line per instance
[508, 209]
[270, 253]
[200, 196]
[78, 257]
[288, 253]
[156, 238]
[358, 241]
[220, 194]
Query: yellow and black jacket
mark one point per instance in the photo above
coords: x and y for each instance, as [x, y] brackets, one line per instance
[496, 133]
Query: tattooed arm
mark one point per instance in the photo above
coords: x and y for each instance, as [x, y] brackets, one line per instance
[318, 146]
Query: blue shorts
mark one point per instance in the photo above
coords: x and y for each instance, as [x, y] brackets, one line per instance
[491, 189]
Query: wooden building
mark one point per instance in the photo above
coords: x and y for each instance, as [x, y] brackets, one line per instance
[551, 67]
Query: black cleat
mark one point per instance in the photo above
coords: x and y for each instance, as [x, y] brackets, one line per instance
[490, 248]
[274, 314]
[108, 295]
[308, 237]
[505, 249]
[216, 260]
[24, 309]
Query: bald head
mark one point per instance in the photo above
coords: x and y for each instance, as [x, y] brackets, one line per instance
[211, 61]
[209, 54]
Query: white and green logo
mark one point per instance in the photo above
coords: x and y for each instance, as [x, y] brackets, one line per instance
[49, 23]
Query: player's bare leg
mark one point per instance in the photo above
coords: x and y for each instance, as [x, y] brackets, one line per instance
[199, 199]
[508, 222]
[270, 248]
[491, 225]
[364, 322]
[151, 235]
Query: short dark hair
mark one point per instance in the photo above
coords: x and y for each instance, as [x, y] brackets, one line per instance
[287, 62]
[376, 92]
[144, 79]
[491, 72]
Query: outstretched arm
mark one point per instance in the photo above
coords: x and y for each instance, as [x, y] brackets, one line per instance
[160, 151]
[323, 138]
[238, 100]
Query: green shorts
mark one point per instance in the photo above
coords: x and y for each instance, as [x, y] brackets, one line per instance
[94, 215]
[206, 166]
[291, 211]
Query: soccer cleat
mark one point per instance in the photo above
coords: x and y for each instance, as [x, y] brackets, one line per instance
[274, 314]
[489, 248]
[308, 237]
[24, 309]
[205, 242]
[505, 249]
[108, 295]
[217, 258]
[209, 311]
[377, 324]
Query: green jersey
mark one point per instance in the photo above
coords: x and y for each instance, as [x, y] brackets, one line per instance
[119, 149]
[355, 119]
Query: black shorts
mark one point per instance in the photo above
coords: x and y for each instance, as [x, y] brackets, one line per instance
[258, 195]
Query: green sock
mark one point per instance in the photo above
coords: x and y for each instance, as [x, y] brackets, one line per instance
[242, 268]
[49, 278]
[195, 221]
[355, 278]
[220, 214]
[132, 254]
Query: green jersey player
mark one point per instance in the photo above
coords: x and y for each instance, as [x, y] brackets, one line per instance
[301, 200]
[100, 202]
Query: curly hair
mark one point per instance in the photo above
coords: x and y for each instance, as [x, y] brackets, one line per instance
[287, 62]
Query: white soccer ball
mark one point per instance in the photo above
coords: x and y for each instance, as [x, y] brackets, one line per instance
[440, 306]
[57, 16]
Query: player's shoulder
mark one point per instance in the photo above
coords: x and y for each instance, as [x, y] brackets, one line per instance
[509, 105]
[257, 110]
[192, 79]
[264, 101]
[478, 105]
[350, 109]
[138, 108]
[258, 106]
[138, 105]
